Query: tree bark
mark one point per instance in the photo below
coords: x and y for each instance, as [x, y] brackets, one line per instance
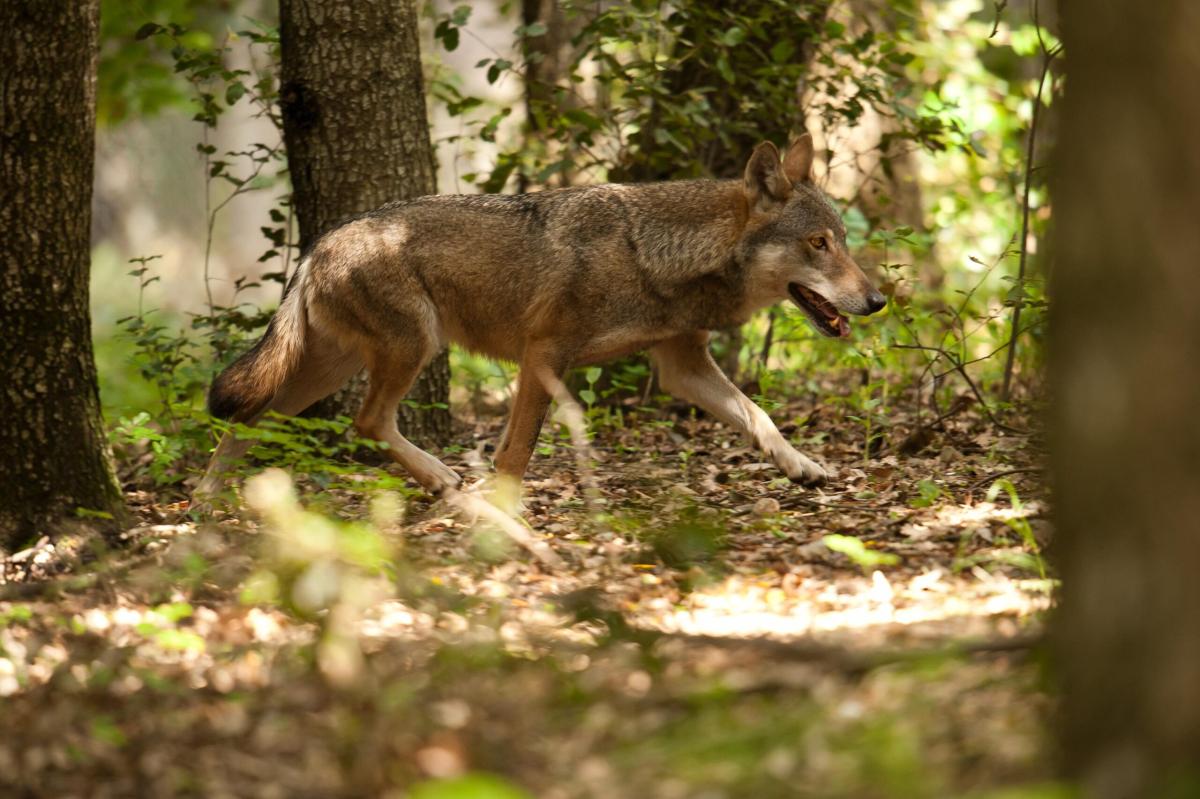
[548, 58]
[55, 455]
[1125, 350]
[357, 136]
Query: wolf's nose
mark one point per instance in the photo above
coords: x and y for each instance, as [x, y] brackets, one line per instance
[875, 302]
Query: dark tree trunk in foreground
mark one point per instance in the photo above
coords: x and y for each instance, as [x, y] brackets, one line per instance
[1126, 362]
[53, 453]
[357, 137]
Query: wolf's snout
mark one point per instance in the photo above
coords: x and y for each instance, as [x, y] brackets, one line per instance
[875, 301]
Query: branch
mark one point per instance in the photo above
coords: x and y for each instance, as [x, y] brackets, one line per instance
[1047, 58]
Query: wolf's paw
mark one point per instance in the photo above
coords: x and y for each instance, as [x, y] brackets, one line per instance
[800, 468]
[437, 478]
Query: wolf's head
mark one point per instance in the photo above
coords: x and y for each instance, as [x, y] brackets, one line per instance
[795, 243]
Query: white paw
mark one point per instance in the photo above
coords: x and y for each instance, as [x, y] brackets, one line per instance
[800, 468]
[436, 477]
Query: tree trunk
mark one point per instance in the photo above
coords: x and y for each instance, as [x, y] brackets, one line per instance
[357, 137]
[548, 57]
[1126, 345]
[56, 457]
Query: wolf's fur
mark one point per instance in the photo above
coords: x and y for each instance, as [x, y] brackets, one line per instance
[549, 280]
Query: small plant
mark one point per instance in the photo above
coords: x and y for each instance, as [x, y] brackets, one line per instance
[689, 539]
[162, 627]
[927, 494]
[321, 569]
[1019, 524]
[1029, 558]
[588, 395]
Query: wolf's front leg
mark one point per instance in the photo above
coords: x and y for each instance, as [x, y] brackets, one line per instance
[687, 370]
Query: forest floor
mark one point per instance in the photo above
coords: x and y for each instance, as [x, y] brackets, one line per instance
[706, 630]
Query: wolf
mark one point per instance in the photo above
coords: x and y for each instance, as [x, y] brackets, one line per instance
[551, 280]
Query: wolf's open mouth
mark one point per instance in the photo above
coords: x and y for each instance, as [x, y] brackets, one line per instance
[820, 311]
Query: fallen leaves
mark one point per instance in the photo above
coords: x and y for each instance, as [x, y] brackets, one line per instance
[688, 624]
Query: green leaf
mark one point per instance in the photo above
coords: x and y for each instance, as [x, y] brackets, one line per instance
[782, 51]
[733, 37]
[469, 786]
[234, 92]
[106, 730]
[147, 30]
[174, 611]
[857, 551]
[497, 68]
[929, 492]
[88, 513]
[724, 68]
[447, 33]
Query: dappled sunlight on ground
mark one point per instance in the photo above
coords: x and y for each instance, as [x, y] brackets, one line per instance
[960, 606]
[878, 626]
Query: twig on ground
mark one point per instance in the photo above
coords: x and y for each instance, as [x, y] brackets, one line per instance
[961, 370]
[980, 483]
[792, 502]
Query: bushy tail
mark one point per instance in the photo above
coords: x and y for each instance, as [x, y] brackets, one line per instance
[248, 384]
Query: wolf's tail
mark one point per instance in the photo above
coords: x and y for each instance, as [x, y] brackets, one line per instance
[249, 384]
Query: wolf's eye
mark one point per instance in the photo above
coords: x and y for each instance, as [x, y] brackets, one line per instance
[818, 242]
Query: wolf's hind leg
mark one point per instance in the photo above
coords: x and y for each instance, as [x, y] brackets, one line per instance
[687, 370]
[324, 368]
[392, 374]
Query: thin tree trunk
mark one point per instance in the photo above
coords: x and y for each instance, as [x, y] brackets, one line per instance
[548, 57]
[1125, 356]
[55, 455]
[357, 137]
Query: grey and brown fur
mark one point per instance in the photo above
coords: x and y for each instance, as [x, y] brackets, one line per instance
[551, 280]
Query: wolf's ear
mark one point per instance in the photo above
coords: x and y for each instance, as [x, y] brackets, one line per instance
[797, 164]
[766, 183]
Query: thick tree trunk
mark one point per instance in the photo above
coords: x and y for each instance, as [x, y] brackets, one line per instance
[1126, 349]
[357, 137]
[55, 456]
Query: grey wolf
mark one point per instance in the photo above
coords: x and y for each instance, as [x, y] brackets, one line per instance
[552, 280]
